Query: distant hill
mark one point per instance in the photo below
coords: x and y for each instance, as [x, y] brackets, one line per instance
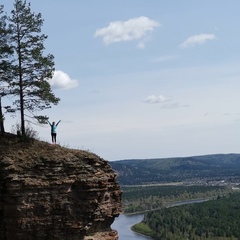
[145, 171]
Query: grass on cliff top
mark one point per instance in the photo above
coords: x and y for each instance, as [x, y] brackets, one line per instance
[12, 144]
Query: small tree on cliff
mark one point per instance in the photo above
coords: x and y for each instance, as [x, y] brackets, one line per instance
[5, 64]
[31, 70]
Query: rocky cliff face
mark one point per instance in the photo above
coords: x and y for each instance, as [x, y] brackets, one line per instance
[50, 192]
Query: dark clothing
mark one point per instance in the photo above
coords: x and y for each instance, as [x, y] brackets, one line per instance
[54, 137]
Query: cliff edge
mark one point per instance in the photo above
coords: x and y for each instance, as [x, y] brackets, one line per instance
[51, 192]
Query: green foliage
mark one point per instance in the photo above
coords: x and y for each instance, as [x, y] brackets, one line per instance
[30, 133]
[214, 219]
[148, 198]
[135, 172]
[5, 49]
[143, 229]
[31, 69]
[41, 119]
[5, 53]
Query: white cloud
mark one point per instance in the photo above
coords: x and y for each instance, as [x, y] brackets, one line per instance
[197, 39]
[132, 29]
[61, 80]
[164, 102]
[173, 105]
[156, 99]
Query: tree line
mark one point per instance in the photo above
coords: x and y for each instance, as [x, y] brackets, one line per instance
[214, 219]
[201, 169]
[25, 69]
[149, 198]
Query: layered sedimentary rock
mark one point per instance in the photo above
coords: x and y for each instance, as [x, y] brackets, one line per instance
[50, 192]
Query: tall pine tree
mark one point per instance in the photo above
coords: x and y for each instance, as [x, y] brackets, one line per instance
[31, 70]
[5, 63]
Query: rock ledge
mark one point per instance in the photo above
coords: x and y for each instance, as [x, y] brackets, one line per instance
[51, 192]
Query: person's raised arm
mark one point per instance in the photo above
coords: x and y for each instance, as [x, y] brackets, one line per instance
[58, 122]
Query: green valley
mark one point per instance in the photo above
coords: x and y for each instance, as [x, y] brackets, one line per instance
[161, 187]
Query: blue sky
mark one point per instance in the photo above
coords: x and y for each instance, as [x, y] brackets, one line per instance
[143, 79]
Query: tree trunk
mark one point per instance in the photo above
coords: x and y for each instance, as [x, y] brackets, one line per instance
[22, 108]
[2, 131]
[21, 85]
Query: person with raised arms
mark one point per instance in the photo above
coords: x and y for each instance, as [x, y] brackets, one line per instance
[54, 131]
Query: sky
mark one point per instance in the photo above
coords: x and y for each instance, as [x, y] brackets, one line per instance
[143, 79]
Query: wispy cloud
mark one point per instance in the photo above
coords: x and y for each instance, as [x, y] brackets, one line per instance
[197, 40]
[164, 102]
[61, 80]
[156, 99]
[132, 29]
[171, 106]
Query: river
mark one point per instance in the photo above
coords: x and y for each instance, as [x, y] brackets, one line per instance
[123, 225]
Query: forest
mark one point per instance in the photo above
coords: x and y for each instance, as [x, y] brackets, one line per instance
[213, 219]
[153, 186]
[149, 198]
[182, 169]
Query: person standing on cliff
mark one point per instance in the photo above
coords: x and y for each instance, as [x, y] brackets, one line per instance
[54, 131]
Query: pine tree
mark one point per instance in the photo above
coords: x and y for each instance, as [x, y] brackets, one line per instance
[31, 70]
[5, 64]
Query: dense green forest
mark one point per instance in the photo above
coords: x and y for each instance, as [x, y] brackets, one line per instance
[141, 199]
[214, 219]
[217, 167]
[153, 186]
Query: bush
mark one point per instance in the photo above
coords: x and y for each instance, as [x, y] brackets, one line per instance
[143, 229]
[30, 133]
